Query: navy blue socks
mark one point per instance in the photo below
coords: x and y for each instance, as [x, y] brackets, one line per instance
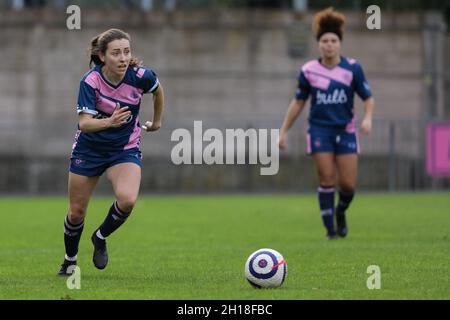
[72, 235]
[345, 198]
[326, 203]
[113, 221]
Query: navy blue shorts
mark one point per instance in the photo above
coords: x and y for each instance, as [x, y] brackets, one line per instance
[95, 163]
[337, 141]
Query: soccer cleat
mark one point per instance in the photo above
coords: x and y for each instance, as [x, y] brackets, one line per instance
[100, 257]
[65, 268]
[341, 224]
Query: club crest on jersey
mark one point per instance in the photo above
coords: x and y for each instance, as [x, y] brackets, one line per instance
[79, 162]
[337, 97]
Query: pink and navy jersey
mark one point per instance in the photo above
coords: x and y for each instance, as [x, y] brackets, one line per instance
[98, 97]
[332, 92]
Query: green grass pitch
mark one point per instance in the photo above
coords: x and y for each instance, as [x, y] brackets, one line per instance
[195, 247]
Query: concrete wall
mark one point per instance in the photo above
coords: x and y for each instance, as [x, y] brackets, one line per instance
[446, 76]
[229, 69]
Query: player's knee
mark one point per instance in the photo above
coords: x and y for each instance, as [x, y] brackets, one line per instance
[327, 180]
[76, 214]
[126, 202]
[347, 190]
[347, 187]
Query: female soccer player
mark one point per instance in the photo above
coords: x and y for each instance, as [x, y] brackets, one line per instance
[331, 81]
[108, 140]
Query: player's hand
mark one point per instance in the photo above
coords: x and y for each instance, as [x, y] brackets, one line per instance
[282, 142]
[151, 126]
[119, 116]
[366, 126]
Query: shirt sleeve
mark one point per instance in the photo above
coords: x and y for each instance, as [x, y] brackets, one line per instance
[361, 85]
[303, 88]
[86, 99]
[148, 80]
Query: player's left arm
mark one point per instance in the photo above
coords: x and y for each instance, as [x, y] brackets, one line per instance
[366, 124]
[365, 93]
[158, 106]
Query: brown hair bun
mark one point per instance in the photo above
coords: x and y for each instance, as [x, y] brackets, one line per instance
[328, 20]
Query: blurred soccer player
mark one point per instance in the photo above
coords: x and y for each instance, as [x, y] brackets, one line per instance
[332, 140]
[108, 139]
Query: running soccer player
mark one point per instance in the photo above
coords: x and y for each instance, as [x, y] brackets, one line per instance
[108, 140]
[332, 140]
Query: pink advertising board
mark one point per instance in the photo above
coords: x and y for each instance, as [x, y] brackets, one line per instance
[438, 149]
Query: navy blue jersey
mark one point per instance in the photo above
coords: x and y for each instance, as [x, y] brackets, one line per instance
[332, 92]
[98, 97]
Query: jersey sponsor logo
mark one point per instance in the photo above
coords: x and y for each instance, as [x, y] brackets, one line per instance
[337, 97]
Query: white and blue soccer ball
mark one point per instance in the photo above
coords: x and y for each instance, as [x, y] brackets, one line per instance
[266, 268]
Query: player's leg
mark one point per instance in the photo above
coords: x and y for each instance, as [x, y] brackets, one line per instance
[80, 190]
[325, 166]
[347, 166]
[125, 179]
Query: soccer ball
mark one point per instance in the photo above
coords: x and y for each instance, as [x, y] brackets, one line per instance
[265, 268]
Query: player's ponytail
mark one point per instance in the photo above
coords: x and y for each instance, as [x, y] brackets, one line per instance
[94, 52]
[135, 62]
[99, 44]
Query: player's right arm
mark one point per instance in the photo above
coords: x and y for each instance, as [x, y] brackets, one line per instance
[295, 108]
[88, 123]
[87, 111]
